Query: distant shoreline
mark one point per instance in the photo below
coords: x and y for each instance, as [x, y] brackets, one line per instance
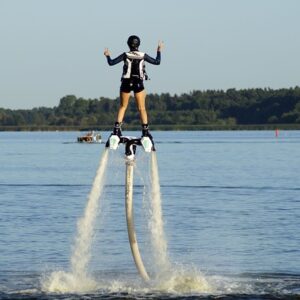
[154, 127]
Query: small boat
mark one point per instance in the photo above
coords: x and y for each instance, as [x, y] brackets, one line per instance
[91, 137]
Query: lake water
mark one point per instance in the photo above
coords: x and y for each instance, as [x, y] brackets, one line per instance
[230, 204]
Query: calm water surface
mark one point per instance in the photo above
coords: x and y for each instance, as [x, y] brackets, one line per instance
[230, 200]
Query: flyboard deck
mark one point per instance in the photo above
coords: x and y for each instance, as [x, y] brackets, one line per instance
[130, 148]
[114, 141]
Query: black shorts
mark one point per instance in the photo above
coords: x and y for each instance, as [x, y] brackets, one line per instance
[136, 85]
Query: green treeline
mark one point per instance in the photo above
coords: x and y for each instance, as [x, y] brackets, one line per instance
[211, 108]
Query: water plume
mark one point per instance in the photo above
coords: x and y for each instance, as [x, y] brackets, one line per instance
[156, 224]
[85, 227]
[170, 277]
[78, 279]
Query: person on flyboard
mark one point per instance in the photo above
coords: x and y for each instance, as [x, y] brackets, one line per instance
[133, 76]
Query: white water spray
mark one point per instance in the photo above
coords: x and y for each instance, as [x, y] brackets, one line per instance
[170, 277]
[85, 227]
[78, 279]
[156, 224]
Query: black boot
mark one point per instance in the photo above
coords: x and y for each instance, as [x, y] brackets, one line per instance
[117, 129]
[145, 130]
[146, 133]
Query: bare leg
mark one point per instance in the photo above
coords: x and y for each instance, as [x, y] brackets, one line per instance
[124, 100]
[140, 103]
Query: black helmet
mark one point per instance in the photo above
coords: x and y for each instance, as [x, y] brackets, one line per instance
[133, 42]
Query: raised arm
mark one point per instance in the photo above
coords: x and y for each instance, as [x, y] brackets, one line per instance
[155, 61]
[114, 61]
[151, 60]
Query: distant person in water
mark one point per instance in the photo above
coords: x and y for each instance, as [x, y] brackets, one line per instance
[134, 74]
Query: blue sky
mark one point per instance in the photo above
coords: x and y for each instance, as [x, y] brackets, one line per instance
[52, 48]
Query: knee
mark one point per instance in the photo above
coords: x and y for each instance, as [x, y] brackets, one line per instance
[123, 106]
[141, 108]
